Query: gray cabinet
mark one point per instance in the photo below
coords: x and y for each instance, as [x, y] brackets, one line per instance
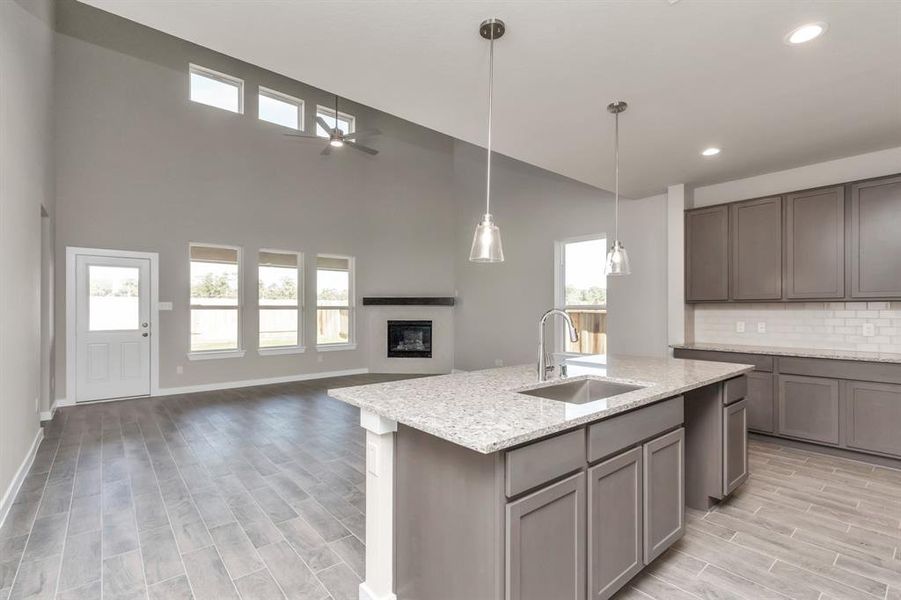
[875, 257]
[815, 244]
[756, 236]
[664, 493]
[873, 417]
[614, 523]
[760, 402]
[809, 408]
[735, 446]
[545, 549]
[707, 254]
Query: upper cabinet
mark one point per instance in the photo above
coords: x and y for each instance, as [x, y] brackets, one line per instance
[756, 249]
[836, 243]
[815, 244]
[875, 257]
[707, 254]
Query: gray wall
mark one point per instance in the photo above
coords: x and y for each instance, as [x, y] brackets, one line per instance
[26, 183]
[500, 304]
[140, 167]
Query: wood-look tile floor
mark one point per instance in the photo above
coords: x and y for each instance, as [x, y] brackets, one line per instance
[259, 493]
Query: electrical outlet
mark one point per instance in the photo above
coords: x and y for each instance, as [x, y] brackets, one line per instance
[869, 329]
[498, 362]
[179, 369]
[739, 327]
[761, 326]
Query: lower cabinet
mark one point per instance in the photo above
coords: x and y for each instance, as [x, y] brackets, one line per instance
[760, 402]
[664, 492]
[809, 408]
[873, 417]
[546, 543]
[735, 446]
[614, 523]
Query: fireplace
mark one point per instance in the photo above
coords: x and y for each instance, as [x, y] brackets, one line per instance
[410, 339]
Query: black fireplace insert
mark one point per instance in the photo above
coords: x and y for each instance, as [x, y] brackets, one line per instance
[410, 339]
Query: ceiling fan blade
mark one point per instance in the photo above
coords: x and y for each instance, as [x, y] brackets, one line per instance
[302, 135]
[361, 147]
[327, 150]
[363, 133]
[324, 125]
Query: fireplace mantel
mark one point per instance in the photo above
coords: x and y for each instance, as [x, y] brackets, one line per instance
[408, 301]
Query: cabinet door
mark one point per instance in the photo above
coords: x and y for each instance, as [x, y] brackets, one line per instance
[815, 244]
[873, 417]
[760, 402]
[735, 446]
[707, 254]
[756, 249]
[546, 543]
[614, 523]
[664, 493]
[875, 243]
[808, 408]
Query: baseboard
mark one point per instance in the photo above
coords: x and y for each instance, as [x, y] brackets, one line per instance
[48, 415]
[226, 385]
[367, 594]
[872, 459]
[16, 482]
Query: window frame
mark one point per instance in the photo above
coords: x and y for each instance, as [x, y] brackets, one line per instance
[330, 112]
[281, 97]
[220, 77]
[239, 308]
[560, 333]
[351, 343]
[299, 347]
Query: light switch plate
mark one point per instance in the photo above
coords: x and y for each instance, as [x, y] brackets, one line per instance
[761, 326]
[869, 329]
[165, 306]
[739, 327]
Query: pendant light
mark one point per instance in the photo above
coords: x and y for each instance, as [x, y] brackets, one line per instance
[486, 242]
[617, 257]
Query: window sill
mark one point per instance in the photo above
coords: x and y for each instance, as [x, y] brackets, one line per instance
[215, 354]
[281, 350]
[335, 347]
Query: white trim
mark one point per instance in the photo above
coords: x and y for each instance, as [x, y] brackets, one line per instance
[221, 78]
[215, 354]
[72, 252]
[335, 347]
[48, 415]
[277, 350]
[379, 580]
[281, 97]
[16, 484]
[227, 385]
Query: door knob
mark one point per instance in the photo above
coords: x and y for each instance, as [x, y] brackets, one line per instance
[145, 334]
[143, 324]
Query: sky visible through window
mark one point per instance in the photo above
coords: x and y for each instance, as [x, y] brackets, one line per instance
[213, 92]
[584, 276]
[279, 112]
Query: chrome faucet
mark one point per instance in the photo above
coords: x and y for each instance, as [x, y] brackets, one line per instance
[543, 367]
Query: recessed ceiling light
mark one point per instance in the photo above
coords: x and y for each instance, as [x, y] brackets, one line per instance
[805, 33]
[712, 151]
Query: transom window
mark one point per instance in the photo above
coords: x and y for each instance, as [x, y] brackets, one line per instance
[334, 300]
[582, 292]
[346, 123]
[280, 298]
[216, 89]
[215, 298]
[281, 109]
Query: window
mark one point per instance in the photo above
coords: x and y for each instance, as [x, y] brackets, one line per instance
[280, 295]
[334, 300]
[582, 292]
[280, 109]
[346, 122]
[217, 89]
[215, 299]
[114, 301]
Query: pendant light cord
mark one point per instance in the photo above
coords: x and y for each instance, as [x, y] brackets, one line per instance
[616, 202]
[490, 98]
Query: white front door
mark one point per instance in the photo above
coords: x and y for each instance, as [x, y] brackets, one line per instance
[113, 327]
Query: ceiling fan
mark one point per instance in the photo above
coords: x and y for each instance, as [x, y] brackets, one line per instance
[338, 138]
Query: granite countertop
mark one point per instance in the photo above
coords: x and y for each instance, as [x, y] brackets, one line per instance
[482, 411]
[886, 357]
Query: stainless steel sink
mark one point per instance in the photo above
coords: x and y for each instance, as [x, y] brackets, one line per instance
[583, 391]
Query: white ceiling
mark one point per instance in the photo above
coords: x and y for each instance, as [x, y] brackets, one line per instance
[695, 73]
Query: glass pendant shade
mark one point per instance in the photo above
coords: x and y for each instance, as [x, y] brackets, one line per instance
[617, 260]
[486, 243]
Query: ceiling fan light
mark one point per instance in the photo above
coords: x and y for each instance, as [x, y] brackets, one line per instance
[336, 143]
[486, 242]
[617, 260]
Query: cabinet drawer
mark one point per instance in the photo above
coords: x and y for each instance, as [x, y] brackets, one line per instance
[735, 389]
[761, 362]
[841, 369]
[532, 465]
[873, 417]
[808, 408]
[615, 434]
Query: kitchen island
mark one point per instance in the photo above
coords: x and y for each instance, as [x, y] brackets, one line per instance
[489, 485]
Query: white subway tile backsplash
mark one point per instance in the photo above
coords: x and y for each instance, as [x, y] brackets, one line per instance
[828, 325]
